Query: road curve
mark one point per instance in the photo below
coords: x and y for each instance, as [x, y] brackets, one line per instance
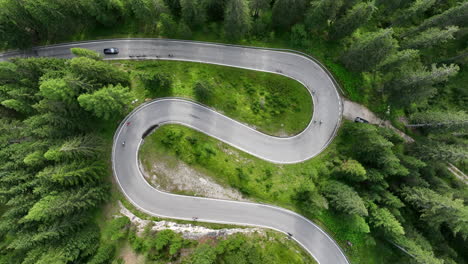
[305, 145]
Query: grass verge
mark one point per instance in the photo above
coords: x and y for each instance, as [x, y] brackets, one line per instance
[258, 99]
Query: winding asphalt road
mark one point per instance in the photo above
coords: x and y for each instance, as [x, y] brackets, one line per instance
[307, 144]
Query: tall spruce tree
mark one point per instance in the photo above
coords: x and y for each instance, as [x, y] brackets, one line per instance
[380, 44]
[357, 16]
[193, 12]
[430, 37]
[416, 85]
[286, 13]
[321, 13]
[237, 19]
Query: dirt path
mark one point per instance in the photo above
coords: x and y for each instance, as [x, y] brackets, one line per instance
[353, 110]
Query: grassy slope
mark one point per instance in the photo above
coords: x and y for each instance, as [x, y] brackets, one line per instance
[255, 98]
[263, 181]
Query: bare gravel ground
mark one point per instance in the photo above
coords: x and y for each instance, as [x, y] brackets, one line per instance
[353, 110]
[181, 178]
[188, 231]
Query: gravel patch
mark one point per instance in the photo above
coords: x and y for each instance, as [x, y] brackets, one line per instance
[188, 231]
[183, 179]
[352, 110]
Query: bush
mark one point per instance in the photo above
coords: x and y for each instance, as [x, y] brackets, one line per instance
[80, 52]
[203, 92]
[158, 84]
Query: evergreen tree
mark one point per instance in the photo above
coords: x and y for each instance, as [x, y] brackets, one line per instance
[105, 12]
[383, 219]
[321, 13]
[454, 16]
[439, 121]
[147, 11]
[287, 13]
[237, 19]
[58, 90]
[437, 209]
[344, 198]
[65, 203]
[354, 18]
[430, 37]
[416, 85]
[299, 35]
[97, 73]
[168, 25]
[395, 60]
[417, 8]
[75, 148]
[352, 170]
[183, 31]
[380, 44]
[257, 6]
[193, 12]
[419, 254]
[75, 173]
[108, 102]
[374, 150]
[431, 150]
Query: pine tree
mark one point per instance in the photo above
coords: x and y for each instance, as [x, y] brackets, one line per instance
[417, 8]
[383, 219]
[57, 205]
[453, 16]
[257, 6]
[395, 60]
[380, 44]
[430, 37]
[58, 90]
[286, 13]
[421, 255]
[344, 198]
[97, 73]
[440, 121]
[147, 11]
[321, 13]
[75, 173]
[193, 12]
[167, 25]
[416, 85]
[237, 20]
[76, 148]
[437, 209]
[105, 12]
[106, 103]
[431, 150]
[352, 170]
[354, 18]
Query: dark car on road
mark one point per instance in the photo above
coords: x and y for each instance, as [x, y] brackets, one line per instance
[111, 51]
[360, 120]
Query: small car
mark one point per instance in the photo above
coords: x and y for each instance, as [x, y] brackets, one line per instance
[111, 51]
[360, 120]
